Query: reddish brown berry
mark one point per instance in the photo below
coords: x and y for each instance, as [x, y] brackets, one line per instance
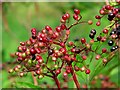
[62, 44]
[87, 71]
[83, 40]
[102, 12]
[90, 22]
[63, 50]
[76, 11]
[76, 17]
[104, 60]
[58, 71]
[108, 7]
[97, 17]
[63, 26]
[104, 50]
[65, 74]
[97, 57]
[84, 57]
[64, 17]
[38, 57]
[105, 31]
[58, 28]
[67, 15]
[48, 28]
[32, 51]
[98, 23]
[76, 68]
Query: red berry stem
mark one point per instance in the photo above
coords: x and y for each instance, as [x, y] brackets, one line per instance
[74, 78]
[76, 24]
[57, 82]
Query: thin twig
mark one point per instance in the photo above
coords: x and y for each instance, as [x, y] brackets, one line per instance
[34, 79]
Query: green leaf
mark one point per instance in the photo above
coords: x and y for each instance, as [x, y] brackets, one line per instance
[25, 85]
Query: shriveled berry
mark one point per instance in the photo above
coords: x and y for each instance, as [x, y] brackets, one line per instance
[110, 42]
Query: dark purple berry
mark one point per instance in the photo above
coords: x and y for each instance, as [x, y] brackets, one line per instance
[111, 16]
[112, 48]
[91, 35]
[93, 31]
[50, 51]
[112, 32]
[110, 42]
[33, 57]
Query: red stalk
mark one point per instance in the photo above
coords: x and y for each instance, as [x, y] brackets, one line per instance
[57, 82]
[74, 78]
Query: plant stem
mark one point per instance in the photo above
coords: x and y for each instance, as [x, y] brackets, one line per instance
[57, 82]
[34, 79]
[74, 78]
[88, 82]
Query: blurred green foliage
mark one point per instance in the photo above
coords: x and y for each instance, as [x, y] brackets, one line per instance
[19, 18]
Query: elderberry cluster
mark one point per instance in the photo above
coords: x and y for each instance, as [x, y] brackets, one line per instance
[49, 53]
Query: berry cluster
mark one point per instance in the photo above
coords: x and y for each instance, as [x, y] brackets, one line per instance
[61, 53]
[112, 12]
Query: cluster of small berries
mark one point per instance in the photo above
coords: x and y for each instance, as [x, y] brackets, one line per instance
[53, 43]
